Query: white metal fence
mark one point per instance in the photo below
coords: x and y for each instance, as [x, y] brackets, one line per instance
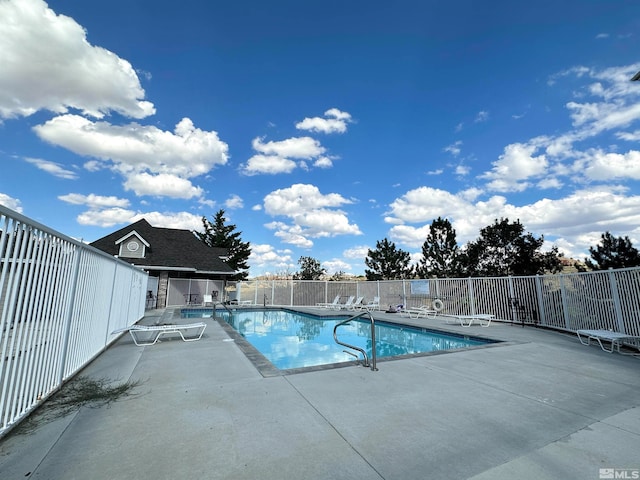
[607, 300]
[59, 301]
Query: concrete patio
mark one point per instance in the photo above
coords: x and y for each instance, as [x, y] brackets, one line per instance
[540, 406]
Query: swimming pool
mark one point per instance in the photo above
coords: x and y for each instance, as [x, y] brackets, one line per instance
[294, 340]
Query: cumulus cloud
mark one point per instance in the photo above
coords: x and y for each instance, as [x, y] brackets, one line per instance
[334, 121]
[268, 164]
[152, 161]
[264, 256]
[186, 152]
[276, 157]
[94, 201]
[84, 77]
[514, 166]
[164, 184]
[311, 213]
[296, 147]
[10, 202]
[573, 222]
[234, 201]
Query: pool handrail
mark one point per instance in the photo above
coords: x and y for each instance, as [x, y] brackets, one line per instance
[373, 339]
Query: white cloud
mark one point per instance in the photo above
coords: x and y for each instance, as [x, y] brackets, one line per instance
[268, 164]
[516, 164]
[164, 185]
[10, 202]
[336, 265]
[454, 149]
[573, 222]
[276, 157]
[109, 217]
[53, 168]
[323, 162]
[313, 214]
[233, 202]
[48, 63]
[335, 123]
[358, 252]
[94, 201]
[266, 256]
[482, 116]
[187, 152]
[295, 147]
[106, 217]
[602, 166]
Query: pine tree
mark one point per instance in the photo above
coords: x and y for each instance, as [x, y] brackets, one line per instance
[220, 235]
[387, 263]
[440, 252]
[504, 249]
[310, 269]
[613, 252]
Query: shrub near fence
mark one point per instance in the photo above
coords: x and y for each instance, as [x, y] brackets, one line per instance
[607, 300]
[59, 301]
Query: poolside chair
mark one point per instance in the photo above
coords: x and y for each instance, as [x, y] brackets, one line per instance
[616, 340]
[372, 305]
[154, 332]
[335, 303]
[355, 305]
[423, 311]
[207, 299]
[483, 319]
[346, 305]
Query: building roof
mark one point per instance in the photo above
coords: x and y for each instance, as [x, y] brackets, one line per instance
[168, 248]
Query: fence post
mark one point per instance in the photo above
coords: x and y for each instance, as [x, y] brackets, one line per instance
[565, 310]
[290, 295]
[69, 315]
[542, 317]
[616, 301]
[472, 299]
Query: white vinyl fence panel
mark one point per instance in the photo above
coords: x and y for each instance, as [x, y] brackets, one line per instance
[607, 300]
[59, 301]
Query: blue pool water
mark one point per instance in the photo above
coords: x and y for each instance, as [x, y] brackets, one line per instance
[293, 340]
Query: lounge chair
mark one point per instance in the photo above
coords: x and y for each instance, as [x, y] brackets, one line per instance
[355, 305]
[154, 332]
[335, 303]
[615, 339]
[423, 311]
[467, 320]
[372, 305]
[346, 305]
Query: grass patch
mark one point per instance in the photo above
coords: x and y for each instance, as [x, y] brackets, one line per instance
[79, 392]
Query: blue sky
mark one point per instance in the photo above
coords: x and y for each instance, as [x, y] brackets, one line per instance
[323, 127]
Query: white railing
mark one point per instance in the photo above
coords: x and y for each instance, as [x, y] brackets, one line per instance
[607, 300]
[59, 301]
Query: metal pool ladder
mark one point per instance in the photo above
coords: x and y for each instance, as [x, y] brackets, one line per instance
[353, 347]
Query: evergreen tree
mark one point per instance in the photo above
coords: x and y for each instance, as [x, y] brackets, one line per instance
[504, 249]
[440, 252]
[613, 252]
[220, 235]
[310, 269]
[387, 263]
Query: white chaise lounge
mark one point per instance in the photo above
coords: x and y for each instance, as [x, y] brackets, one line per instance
[149, 334]
[335, 303]
[419, 312]
[615, 339]
[483, 319]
